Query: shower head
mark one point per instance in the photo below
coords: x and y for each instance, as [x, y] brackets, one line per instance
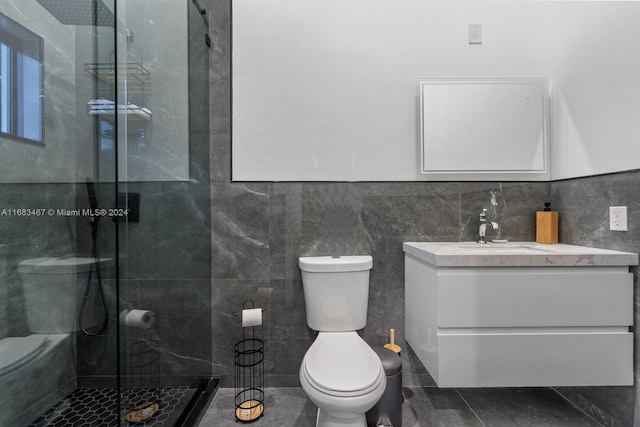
[79, 12]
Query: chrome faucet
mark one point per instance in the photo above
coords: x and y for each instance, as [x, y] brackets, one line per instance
[482, 226]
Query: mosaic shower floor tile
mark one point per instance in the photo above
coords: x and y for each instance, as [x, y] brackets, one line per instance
[98, 407]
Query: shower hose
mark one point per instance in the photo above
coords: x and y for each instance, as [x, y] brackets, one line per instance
[94, 269]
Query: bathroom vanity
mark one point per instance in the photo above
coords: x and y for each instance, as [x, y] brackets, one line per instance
[520, 314]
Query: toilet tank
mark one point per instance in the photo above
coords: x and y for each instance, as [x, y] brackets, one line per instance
[53, 290]
[336, 291]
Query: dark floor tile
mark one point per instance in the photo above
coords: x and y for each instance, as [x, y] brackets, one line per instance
[422, 407]
[593, 400]
[284, 407]
[289, 407]
[523, 407]
[431, 406]
[414, 374]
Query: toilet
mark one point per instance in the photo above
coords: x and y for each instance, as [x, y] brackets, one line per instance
[340, 373]
[38, 368]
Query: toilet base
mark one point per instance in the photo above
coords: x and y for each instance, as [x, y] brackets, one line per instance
[342, 419]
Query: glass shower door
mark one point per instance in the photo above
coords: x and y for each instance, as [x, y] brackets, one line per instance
[163, 181]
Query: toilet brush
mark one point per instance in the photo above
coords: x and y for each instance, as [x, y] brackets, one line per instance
[392, 345]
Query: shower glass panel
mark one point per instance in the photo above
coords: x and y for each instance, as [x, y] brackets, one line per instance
[163, 152]
[105, 290]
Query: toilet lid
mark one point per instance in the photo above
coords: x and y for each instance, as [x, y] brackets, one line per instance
[342, 362]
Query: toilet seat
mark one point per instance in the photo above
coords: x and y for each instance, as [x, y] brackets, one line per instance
[341, 364]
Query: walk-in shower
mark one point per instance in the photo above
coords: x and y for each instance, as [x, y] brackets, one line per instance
[105, 264]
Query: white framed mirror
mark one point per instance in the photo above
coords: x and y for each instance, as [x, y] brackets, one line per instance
[478, 129]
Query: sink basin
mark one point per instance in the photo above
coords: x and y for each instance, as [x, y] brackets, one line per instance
[489, 245]
[501, 247]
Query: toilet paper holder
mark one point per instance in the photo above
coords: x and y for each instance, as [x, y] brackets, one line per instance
[250, 315]
[249, 368]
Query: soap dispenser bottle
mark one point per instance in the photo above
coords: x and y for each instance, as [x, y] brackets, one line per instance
[547, 225]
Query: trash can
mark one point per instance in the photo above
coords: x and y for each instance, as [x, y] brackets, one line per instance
[388, 410]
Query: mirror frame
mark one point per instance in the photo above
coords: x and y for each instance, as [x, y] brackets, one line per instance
[539, 86]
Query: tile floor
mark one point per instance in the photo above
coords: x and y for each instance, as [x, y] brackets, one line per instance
[98, 407]
[423, 406]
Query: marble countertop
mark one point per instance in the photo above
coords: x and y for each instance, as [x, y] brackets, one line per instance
[515, 254]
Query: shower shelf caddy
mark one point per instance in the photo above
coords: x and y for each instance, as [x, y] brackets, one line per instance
[249, 374]
[134, 75]
[131, 72]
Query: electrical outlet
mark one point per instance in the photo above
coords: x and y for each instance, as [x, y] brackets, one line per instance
[618, 218]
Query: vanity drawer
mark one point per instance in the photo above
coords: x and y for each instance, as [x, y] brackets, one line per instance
[535, 297]
[534, 359]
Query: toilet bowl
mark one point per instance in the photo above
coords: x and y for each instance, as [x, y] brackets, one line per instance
[16, 352]
[343, 377]
[340, 373]
[35, 371]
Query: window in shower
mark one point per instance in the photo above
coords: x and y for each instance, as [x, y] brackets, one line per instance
[21, 82]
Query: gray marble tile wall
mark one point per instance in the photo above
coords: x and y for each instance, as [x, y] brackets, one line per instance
[260, 230]
[584, 220]
[168, 271]
[164, 267]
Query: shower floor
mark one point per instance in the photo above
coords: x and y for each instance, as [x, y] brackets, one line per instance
[98, 407]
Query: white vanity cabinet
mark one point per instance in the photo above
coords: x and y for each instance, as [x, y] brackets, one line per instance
[520, 314]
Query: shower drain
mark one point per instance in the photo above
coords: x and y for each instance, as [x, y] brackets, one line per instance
[98, 407]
